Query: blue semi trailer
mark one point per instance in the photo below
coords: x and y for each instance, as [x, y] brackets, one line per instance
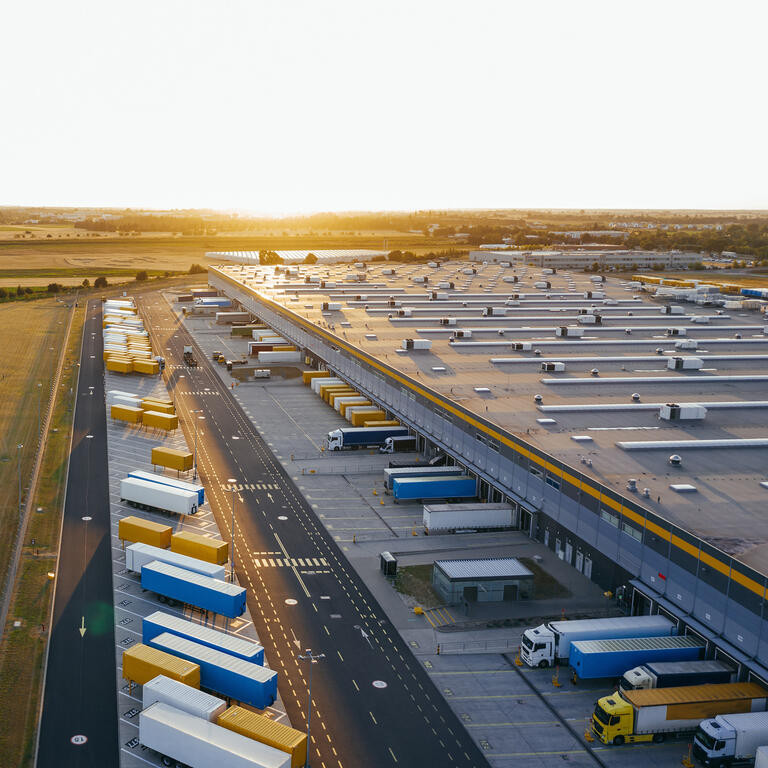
[446, 487]
[362, 437]
[239, 647]
[219, 672]
[612, 658]
[194, 589]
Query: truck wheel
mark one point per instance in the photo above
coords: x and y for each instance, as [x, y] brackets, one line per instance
[658, 738]
[618, 740]
[543, 664]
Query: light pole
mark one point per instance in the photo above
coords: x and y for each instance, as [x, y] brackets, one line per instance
[232, 486]
[199, 418]
[312, 658]
[18, 448]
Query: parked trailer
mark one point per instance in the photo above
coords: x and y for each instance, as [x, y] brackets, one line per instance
[196, 742]
[239, 647]
[193, 589]
[267, 731]
[349, 402]
[139, 554]
[416, 488]
[549, 644]
[422, 470]
[449, 518]
[128, 413]
[202, 547]
[359, 417]
[152, 477]
[316, 382]
[669, 674]
[184, 697]
[135, 529]
[279, 357]
[172, 458]
[633, 716]
[219, 672]
[731, 740]
[146, 495]
[610, 658]
[361, 437]
[141, 663]
[308, 376]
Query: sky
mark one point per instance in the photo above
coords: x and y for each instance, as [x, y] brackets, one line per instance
[299, 106]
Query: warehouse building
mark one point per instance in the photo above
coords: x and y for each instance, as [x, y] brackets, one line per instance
[487, 580]
[552, 391]
[581, 259]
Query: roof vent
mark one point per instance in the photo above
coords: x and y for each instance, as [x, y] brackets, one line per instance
[538, 399]
[628, 331]
[636, 397]
[737, 336]
[629, 314]
[647, 493]
[537, 352]
[675, 460]
[595, 372]
[632, 484]
[501, 331]
[659, 351]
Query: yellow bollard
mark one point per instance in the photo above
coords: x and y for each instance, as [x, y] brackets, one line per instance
[687, 760]
[374, 492]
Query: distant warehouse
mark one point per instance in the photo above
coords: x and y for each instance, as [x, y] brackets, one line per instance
[579, 259]
[484, 580]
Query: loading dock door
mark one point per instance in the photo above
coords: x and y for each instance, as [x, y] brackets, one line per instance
[470, 594]
[510, 592]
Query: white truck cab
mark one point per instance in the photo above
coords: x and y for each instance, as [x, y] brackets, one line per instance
[537, 648]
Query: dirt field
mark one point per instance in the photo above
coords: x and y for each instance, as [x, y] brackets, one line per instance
[32, 338]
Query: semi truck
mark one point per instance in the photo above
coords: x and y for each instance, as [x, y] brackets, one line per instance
[609, 658]
[399, 444]
[550, 644]
[139, 554]
[449, 518]
[146, 495]
[668, 674]
[183, 586]
[446, 487]
[361, 437]
[153, 477]
[180, 737]
[654, 715]
[189, 356]
[731, 740]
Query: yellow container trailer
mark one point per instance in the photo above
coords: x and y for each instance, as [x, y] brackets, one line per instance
[146, 366]
[120, 365]
[360, 417]
[344, 406]
[172, 458]
[143, 663]
[384, 423]
[307, 376]
[343, 393]
[156, 405]
[267, 731]
[194, 545]
[126, 413]
[138, 530]
[167, 421]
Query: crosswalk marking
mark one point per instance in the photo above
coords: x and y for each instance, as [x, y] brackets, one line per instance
[290, 562]
[301, 562]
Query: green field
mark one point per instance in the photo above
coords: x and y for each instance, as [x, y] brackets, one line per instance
[25, 635]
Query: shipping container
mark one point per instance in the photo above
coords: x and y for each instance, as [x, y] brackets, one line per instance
[120, 365]
[239, 647]
[307, 376]
[219, 672]
[128, 413]
[359, 417]
[652, 715]
[202, 547]
[403, 444]
[353, 401]
[382, 423]
[184, 697]
[166, 421]
[153, 477]
[267, 731]
[549, 644]
[279, 357]
[325, 381]
[449, 518]
[141, 663]
[225, 318]
[611, 658]
[193, 589]
[348, 392]
[147, 495]
[146, 366]
[139, 554]
[134, 529]
[155, 405]
[420, 470]
[172, 458]
[417, 488]
[183, 738]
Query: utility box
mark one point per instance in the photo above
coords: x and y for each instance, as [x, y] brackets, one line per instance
[675, 412]
[388, 564]
[417, 344]
[672, 309]
[676, 332]
[684, 363]
[521, 346]
[550, 367]
[462, 334]
[571, 331]
[447, 321]
[589, 319]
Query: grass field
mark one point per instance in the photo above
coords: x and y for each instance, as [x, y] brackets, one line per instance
[23, 649]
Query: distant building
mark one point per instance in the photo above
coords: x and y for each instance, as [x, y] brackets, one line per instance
[579, 259]
[482, 581]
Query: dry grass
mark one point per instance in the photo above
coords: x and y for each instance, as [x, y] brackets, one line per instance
[23, 650]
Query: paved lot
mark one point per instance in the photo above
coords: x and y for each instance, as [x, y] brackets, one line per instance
[130, 448]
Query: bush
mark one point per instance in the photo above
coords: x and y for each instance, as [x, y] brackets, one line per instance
[197, 269]
[53, 288]
[310, 259]
[3, 293]
[142, 275]
[86, 283]
[19, 291]
[100, 282]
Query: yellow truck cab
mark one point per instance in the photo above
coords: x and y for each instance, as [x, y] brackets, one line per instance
[653, 714]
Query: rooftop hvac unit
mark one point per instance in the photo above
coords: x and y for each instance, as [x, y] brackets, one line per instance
[676, 332]
[463, 334]
[521, 346]
[361, 297]
[509, 278]
[590, 320]
[446, 284]
[392, 302]
[447, 321]
[684, 363]
[569, 330]
[406, 312]
[417, 344]
[543, 285]
[552, 366]
[672, 309]
[675, 460]
[675, 412]
[687, 344]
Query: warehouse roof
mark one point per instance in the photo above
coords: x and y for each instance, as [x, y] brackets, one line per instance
[483, 568]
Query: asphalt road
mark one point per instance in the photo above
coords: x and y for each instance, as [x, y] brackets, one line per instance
[373, 703]
[80, 699]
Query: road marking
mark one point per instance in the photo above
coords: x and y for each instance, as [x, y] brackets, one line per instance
[392, 753]
[372, 717]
